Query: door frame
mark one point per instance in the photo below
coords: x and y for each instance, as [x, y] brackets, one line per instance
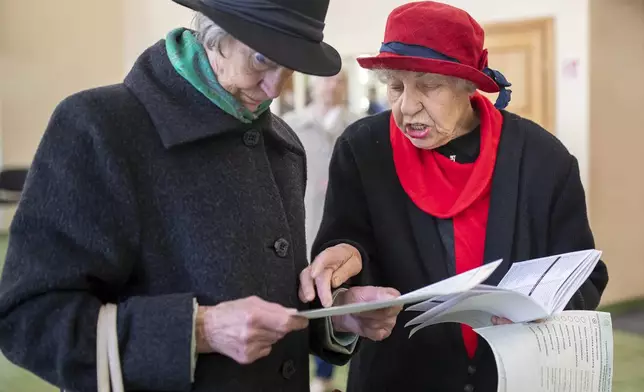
[545, 27]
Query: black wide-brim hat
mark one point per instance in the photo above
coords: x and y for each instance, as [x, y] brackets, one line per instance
[291, 38]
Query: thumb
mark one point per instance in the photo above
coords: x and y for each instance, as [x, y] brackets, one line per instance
[371, 293]
[390, 293]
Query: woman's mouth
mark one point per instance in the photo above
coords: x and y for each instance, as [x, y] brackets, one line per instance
[250, 101]
[417, 131]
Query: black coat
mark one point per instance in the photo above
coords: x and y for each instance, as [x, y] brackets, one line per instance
[537, 208]
[146, 194]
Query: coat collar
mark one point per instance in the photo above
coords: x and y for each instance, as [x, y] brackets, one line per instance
[499, 239]
[181, 114]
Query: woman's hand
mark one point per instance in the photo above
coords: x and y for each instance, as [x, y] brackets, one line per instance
[246, 329]
[333, 267]
[328, 271]
[375, 325]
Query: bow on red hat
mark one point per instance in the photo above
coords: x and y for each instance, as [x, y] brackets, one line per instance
[432, 37]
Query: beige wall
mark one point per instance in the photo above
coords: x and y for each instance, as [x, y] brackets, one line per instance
[48, 50]
[617, 137]
[148, 21]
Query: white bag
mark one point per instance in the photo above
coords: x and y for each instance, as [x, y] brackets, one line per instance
[108, 360]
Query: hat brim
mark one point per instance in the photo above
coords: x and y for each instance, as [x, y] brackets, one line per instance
[420, 64]
[298, 54]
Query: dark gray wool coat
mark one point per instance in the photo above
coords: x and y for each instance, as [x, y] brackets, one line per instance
[147, 195]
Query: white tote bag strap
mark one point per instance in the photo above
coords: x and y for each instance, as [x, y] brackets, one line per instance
[102, 362]
[108, 360]
[108, 322]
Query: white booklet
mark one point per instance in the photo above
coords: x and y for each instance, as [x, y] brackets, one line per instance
[570, 352]
[530, 290]
[461, 283]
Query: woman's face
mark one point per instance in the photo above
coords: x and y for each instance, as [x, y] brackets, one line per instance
[429, 109]
[249, 76]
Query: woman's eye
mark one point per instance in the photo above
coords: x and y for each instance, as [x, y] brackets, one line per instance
[260, 58]
[261, 63]
[429, 86]
[396, 87]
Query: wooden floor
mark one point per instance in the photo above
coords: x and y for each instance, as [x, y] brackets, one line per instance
[628, 375]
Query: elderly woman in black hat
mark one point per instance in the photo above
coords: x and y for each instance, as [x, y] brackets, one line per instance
[178, 197]
[441, 184]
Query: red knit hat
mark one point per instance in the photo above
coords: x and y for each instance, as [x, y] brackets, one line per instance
[433, 37]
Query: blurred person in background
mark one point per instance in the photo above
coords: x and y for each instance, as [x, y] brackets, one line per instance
[179, 197]
[375, 106]
[318, 126]
[441, 184]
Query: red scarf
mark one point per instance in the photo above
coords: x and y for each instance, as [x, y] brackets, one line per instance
[450, 190]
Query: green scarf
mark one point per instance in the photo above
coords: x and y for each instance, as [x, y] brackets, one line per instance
[190, 60]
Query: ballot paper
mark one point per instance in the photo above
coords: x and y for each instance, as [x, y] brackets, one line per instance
[457, 284]
[531, 290]
[570, 352]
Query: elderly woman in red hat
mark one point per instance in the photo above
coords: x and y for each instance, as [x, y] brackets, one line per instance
[444, 182]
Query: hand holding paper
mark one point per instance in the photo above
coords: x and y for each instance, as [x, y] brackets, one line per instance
[376, 324]
[332, 268]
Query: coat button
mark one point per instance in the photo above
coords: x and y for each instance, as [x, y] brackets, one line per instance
[288, 369]
[281, 247]
[251, 138]
[471, 370]
[469, 388]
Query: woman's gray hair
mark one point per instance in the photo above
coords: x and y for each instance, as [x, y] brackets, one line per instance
[209, 34]
[385, 75]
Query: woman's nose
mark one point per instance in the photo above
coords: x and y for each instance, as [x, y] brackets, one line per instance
[410, 103]
[274, 81]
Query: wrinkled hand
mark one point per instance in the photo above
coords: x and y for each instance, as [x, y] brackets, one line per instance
[375, 325]
[328, 271]
[246, 329]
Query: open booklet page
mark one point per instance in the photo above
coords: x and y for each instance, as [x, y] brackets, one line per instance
[571, 352]
[551, 281]
[530, 290]
[477, 310]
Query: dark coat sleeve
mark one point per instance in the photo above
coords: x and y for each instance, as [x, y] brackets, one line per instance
[73, 246]
[570, 231]
[345, 220]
